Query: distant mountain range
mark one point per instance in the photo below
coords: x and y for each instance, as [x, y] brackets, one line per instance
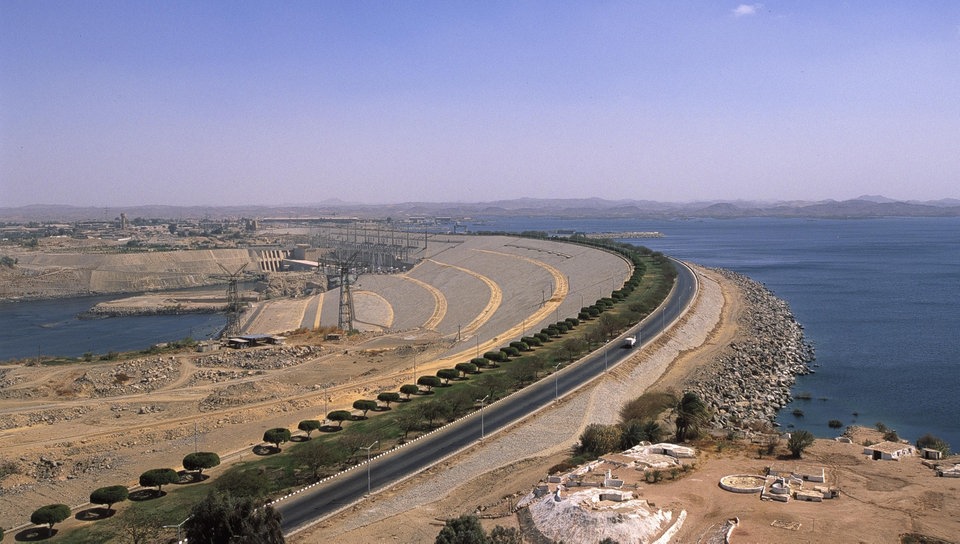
[866, 206]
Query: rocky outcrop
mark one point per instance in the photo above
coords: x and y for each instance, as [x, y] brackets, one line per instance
[261, 359]
[751, 381]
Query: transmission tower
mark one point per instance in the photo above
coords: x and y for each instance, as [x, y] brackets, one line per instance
[343, 267]
[345, 314]
[233, 300]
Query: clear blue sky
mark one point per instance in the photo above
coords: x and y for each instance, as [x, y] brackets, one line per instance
[242, 102]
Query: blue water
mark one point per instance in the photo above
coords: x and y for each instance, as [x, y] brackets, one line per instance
[879, 299]
[51, 327]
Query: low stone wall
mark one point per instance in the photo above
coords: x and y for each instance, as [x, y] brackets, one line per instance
[748, 384]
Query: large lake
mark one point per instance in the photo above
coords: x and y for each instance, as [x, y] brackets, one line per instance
[879, 300]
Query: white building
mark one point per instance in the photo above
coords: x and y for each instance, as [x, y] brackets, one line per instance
[889, 450]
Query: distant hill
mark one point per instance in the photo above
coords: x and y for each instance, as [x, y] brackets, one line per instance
[863, 207]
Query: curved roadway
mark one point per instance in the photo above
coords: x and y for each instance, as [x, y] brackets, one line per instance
[334, 494]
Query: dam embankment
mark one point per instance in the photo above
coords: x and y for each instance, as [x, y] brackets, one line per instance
[751, 380]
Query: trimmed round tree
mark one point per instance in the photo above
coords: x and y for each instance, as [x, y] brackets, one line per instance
[109, 495]
[495, 356]
[409, 389]
[429, 382]
[387, 397]
[277, 436]
[159, 477]
[522, 346]
[339, 416]
[482, 363]
[364, 405]
[50, 515]
[309, 425]
[200, 460]
[447, 374]
[466, 368]
[510, 351]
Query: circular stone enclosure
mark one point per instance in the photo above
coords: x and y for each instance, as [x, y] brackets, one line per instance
[742, 483]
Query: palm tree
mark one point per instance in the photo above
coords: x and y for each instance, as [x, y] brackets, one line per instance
[691, 414]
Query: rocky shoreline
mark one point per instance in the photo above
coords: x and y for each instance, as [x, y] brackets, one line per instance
[746, 386]
[103, 312]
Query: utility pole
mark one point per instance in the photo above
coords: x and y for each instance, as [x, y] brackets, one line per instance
[324, 401]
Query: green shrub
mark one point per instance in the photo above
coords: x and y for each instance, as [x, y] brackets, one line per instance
[799, 441]
[933, 442]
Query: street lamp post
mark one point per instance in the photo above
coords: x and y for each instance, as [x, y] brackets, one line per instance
[368, 448]
[482, 402]
[605, 366]
[178, 527]
[556, 382]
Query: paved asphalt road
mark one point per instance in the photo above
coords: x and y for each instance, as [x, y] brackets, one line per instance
[331, 496]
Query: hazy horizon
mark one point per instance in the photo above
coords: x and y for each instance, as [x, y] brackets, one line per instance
[223, 104]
